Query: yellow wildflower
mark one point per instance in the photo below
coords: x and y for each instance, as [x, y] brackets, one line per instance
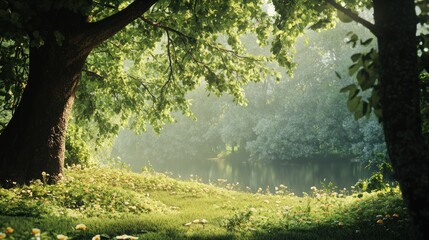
[395, 215]
[96, 237]
[9, 230]
[62, 237]
[81, 227]
[35, 231]
[2, 235]
[380, 221]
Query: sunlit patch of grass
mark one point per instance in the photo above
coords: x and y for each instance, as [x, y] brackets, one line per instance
[102, 203]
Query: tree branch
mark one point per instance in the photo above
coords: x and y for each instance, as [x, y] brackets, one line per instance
[154, 99]
[166, 28]
[92, 74]
[370, 26]
[102, 30]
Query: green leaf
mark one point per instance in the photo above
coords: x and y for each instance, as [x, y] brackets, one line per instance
[343, 17]
[338, 75]
[363, 79]
[351, 87]
[358, 111]
[366, 42]
[320, 24]
[356, 57]
[353, 103]
[353, 68]
[353, 39]
[367, 109]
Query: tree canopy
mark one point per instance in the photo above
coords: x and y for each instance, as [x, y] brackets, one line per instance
[297, 118]
[139, 58]
[146, 69]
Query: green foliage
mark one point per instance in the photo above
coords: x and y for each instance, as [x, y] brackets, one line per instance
[364, 69]
[140, 76]
[77, 149]
[181, 45]
[298, 118]
[381, 178]
[240, 221]
[13, 74]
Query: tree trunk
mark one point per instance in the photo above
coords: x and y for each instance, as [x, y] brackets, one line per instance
[395, 22]
[33, 142]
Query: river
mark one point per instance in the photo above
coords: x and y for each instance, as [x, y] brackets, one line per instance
[297, 176]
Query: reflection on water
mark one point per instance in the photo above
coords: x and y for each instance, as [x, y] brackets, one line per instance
[297, 176]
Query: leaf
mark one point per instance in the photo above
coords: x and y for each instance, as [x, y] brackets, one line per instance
[353, 39]
[320, 24]
[358, 112]
[351, 87]
[366, 42]
[353, 68]
[367, 109]
[354, 93]
[363, 79]
[356, 57]
[353, 103]
[338, 75]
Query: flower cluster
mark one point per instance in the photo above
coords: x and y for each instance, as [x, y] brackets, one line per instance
[36, 234]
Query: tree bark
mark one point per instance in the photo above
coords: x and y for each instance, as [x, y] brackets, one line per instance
[33, 142]
[395, 22]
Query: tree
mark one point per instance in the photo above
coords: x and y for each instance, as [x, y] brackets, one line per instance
[391, 72]
[167, 47]
[290, 120]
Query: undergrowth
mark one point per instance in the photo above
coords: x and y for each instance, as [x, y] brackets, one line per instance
[102, 203]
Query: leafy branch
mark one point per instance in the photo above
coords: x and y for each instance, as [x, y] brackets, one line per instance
[353, 16]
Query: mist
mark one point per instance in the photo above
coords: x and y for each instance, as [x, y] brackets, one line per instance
[296, 132]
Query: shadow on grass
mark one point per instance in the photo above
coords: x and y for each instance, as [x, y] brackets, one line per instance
[322, 232]
[144, 231]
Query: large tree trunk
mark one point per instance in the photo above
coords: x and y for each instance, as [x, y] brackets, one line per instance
[396, 22]
[33, 141]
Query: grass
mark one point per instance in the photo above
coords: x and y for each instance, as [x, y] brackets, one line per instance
[151, 205]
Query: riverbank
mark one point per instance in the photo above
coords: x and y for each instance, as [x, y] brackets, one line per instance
[151, 205]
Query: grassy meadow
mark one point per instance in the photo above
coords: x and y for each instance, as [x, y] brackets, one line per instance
[103, 203]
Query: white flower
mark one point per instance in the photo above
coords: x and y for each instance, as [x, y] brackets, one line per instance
[126, 237]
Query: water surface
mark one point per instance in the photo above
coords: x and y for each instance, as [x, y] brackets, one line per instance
[297, 176]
